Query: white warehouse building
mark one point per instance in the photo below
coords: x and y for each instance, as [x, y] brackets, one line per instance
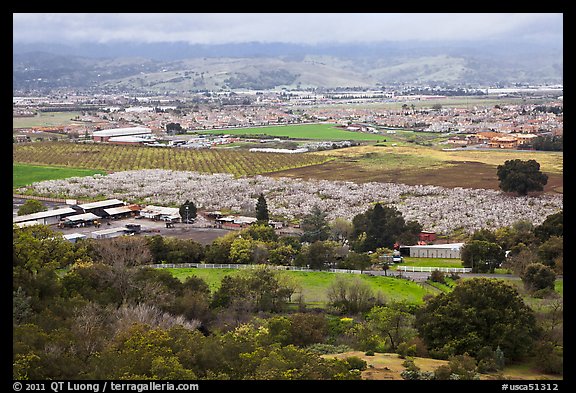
[104, 135]
[450, 250]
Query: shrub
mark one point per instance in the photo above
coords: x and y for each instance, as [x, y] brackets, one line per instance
[404, 350]
[325, 349]
[464, 366]
[537, 276]
[443, 373]
[437, 276]
[355, 363]
[549, 358]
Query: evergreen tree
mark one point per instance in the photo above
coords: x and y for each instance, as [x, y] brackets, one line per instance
[188, 210]
[315, 226]
[381, 226]
[262, 209]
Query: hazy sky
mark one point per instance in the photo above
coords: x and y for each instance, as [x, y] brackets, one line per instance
[313, 28]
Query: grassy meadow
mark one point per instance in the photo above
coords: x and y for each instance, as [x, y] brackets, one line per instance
[23, 175]
[45, 119]
[314, 285]
[396, 161]
[429, 262]
[302, 131]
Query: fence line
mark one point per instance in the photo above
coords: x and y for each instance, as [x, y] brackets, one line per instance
[47, 199]
[245, 266]
[305, 269]
[432, 268]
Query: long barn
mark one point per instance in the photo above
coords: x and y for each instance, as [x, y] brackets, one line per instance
[105, 135]
[450, 250]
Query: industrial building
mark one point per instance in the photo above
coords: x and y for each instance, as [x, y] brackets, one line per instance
[450, 250]
[48, 217]
[109, 233]
[99, 208]
[131, 140]
[154, 212]
[105, 135]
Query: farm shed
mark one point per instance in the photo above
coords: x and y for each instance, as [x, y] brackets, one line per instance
[80, 219]
[105, 135]
[99, 207]
[27, 224]
[450, 250]
[72, 237]
[48, 217]
[161, 213]
[235, 221]
[122, 211]
[109, 233]
[131, 140]
[427, 236]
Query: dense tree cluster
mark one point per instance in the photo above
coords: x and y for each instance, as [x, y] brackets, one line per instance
[478, 313]
[94, 309]
[382, 226]
[521, 176]
[522, 242]
[113, 318]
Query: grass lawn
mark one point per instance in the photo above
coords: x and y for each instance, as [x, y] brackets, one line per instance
[429, 262]
[45, 119]
[24, 175]
[213, 277]
[302, 131]
[314, 285]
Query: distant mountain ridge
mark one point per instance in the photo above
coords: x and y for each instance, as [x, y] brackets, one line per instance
[184, 67]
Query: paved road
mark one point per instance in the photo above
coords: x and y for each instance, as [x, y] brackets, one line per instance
[423, 276]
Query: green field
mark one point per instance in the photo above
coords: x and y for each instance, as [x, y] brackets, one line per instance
[429, 262]
[27, 174]
[45, 119]
[315, 284]
[306, 131]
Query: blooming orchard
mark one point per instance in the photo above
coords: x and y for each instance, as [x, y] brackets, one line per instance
[436, 208]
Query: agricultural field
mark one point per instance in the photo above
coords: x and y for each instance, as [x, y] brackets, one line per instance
[306, 131]
[23, 175]
[415, 164]
[121, 158]
[314, 285]
[46, 119]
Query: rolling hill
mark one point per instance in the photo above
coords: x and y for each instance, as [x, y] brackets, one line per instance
[182, 68]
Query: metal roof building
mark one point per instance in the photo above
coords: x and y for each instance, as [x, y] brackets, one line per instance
[104, 135]
[47, 217]
[450, 250]
[105, 203]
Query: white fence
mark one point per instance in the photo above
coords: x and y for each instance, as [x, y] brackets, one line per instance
[433, 268]
[242, 266]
